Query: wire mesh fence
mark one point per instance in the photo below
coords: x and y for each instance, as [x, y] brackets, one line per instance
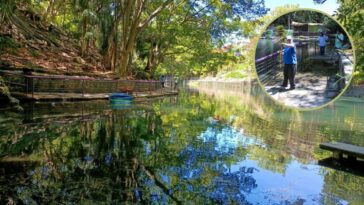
[268, 66]
[18, 82]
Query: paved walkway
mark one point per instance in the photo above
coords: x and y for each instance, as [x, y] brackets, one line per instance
[314, 88]
[311, 91]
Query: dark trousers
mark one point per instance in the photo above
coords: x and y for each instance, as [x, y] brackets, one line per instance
[322, 50]
[289, 73]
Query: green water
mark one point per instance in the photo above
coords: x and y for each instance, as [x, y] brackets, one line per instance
[205, 147]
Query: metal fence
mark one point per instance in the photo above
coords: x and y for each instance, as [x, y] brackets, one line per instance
[30, 84]
[268, 66]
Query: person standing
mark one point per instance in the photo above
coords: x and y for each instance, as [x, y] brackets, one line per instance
[162, 79]
[175, 82]
[290, 63]
[322, 43]
[339, 39]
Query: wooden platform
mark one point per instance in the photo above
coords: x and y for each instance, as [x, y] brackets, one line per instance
[351, 167]
[41, 96]
[339, 149]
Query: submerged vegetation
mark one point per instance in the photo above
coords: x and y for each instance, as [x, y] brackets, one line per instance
[195, 148]
[225, 143]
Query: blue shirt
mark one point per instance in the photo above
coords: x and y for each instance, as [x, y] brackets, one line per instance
[289, 55]
[339, 41]
[322, 40]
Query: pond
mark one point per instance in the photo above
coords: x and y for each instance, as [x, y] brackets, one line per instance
[200, 147]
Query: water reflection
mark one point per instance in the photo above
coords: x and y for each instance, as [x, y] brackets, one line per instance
[197, 148]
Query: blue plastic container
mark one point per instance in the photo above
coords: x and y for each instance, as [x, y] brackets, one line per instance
[120, 98]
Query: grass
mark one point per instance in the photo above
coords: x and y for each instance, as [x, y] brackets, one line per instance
[31, 65]
[8, 44]
[34, 53]
[235, 74]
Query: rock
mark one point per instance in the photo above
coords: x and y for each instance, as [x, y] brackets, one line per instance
[34, 45]
[41, 42]
[79, 60]
[65, 55]
[21, 37]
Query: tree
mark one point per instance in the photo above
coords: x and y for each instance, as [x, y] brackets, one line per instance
[109, 34]
[135, 16]
[188, 36]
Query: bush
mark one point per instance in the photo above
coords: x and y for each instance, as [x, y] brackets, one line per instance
[7, 43]
[235, 74]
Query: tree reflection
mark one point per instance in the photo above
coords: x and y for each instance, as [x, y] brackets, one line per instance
[171, 151]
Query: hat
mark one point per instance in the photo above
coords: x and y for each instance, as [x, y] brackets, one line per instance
[289, 37]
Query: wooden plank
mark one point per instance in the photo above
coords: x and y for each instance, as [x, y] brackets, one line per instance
[87, 96]
[348, 149]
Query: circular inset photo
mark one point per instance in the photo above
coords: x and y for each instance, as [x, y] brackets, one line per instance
[304, 59]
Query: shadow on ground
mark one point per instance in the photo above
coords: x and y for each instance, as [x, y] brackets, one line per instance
[313, 88]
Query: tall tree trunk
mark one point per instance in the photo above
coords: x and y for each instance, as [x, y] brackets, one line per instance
[109, 58]
[83, 40]
[131, 26]
[130, 31]
[114, 54]
[106, 61]
[153, 59]
[49, 9]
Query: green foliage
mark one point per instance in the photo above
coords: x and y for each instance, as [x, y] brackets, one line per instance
[277, 12]
[34, 53]
[6, 10]
[8, 44]
[351, 15]
[166, 30]
[281, 31]
[235, 74]
[178, 40]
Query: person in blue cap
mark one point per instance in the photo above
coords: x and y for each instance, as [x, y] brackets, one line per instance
[290, 63]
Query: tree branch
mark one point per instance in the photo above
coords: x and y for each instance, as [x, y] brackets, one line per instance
[151, 175]
[154, 14]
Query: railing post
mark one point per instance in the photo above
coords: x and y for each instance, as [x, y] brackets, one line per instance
[83, 91]
[64, 84]
[32, 87]
[315, 49]
[137, 86]
[26, 84]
